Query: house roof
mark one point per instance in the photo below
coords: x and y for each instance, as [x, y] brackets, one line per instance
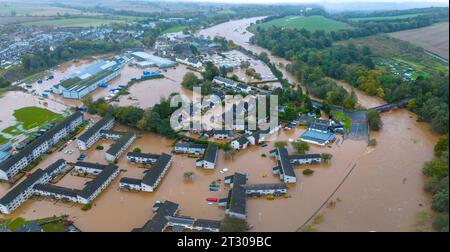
[237, 197]
[304, 156]
[285, 164]
[90, 165]
[211, 153]
[53, 167]
[20, 188]
[57, 189]
[159, 220]
[95, 128]
[143, 155]
[153, 174]
[203, 223]
[29, 148]
[132, 181]
[191, 145]
[98, 181]
[267, 186]
[118, 145]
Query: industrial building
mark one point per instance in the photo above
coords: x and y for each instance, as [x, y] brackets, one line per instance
[148, 60]
[80, 83]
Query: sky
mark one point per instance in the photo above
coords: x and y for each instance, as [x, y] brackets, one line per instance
[321, 1]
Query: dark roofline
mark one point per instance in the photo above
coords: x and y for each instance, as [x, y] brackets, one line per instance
[93, 185]
[211, 153]
[95, 128]
[20, 188]
[115, 148]
[237, 200]
[143, 155]
[28, 149]
[157, 168]
[285, 164]
[159, 221]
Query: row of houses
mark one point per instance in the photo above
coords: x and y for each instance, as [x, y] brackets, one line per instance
[228, 83]
[38, 184]
[18, 162]
[166, 216]
[152, 177]
[236, 202]
[253, 138]
[101, 129]
[285, 162]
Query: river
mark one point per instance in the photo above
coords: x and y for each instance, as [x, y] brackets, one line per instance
[384, 191]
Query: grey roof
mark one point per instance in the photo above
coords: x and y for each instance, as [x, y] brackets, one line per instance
[95, 128]
[28, 149]
[317, 126]
[57, 189]
[229, 81]
[182, 220]
[237, 197]
[157, 168]
[304, 156]
[115, 147]
[159, 220]
[267, 186]
[285, 164]
[203, 223]
[20, 188]
[132, 181]
[90, 165]
[191, 145]
[93, 185]
[242, 139]
[53, 167]
[211, 153]
[143, 155]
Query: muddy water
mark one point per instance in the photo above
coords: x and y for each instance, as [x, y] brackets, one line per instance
[387, 179]
[147, 93]
[14, 100]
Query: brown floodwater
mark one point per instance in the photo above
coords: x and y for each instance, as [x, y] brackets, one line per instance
[147, 93]
[382, 193]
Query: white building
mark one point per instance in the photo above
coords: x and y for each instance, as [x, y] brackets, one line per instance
[119, 146]
[93, 134]
[190, 148]
[284, 168]
[143, 158]
[241, 143]
[209, 158]
[14, 164]
[305, 159]
[189, 61]
[265, 189]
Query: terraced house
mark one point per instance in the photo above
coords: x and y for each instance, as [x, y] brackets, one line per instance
[94, 133]
[16, 163]
[82, 82]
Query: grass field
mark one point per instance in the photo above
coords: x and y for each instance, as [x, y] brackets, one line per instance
[386, 17]
[75, 22]
[32, 117]
[22, 9]
[431, 38]
[312, 23]
[34, 77]
[3, 139]
[394, 49]
[177, 28]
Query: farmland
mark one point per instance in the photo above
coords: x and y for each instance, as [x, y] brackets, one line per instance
[380, 18]
[403, 53]
[432, 38]
[75, 22]
[177, 28]
[311, 23]
[29, 9]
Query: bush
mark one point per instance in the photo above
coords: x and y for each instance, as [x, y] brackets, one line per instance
[374, 120]
[270, 197]
[308, 172]
[373, 142]
[87, 206]
[99, 147]
[441, 222]
[263, 155]
[137, 150]
[280, 144]
[440, 201]
[230, 224]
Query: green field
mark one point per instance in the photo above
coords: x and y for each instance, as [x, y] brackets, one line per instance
[34, 77]
[75, 22]
[386, 17]
[3, 139]
[177, 28]
[22, 9]
[312, 23]
[32, 117]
